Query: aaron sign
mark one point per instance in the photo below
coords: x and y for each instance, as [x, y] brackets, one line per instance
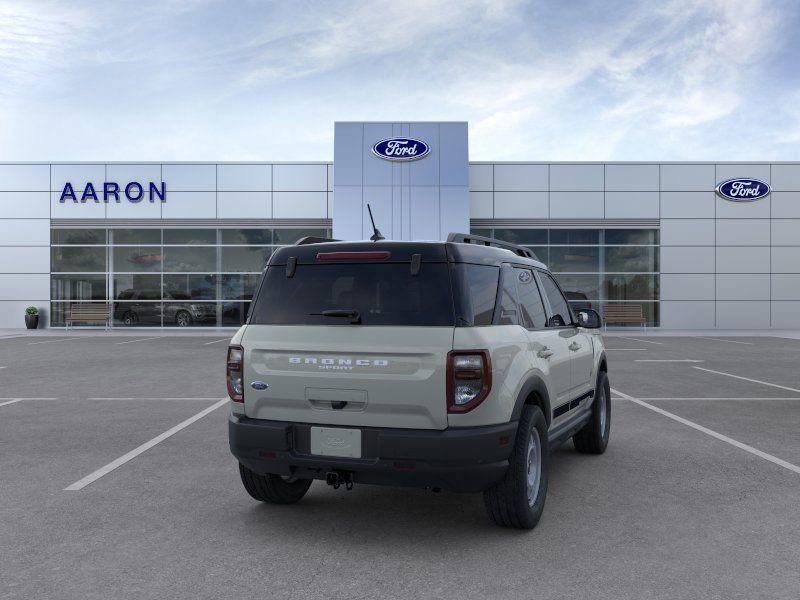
[133, 192]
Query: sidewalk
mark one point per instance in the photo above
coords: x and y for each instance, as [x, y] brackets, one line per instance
[229, 331]
[119, 331]
[651, 332]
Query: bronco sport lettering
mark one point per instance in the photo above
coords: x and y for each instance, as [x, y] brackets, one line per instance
[360, 362]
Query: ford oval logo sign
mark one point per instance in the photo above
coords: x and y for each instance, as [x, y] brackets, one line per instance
[743, 190]
[401, 149]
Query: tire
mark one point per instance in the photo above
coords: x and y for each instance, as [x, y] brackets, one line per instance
[273, 488]
[183, 319]
[518, 500]
[593, 438]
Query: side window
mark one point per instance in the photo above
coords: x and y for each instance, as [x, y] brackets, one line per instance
[481, 281]
[507, 315]
[561, 315]
[530, 301]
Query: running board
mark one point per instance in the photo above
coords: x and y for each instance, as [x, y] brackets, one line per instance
[566, 430]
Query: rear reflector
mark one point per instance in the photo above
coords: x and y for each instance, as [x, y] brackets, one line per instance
[370, 255]
[404, 466]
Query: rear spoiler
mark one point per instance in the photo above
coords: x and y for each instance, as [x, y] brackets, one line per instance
[311, 239]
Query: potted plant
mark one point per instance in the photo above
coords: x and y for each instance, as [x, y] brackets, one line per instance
[31, 317]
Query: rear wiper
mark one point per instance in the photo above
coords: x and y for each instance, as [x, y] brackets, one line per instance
[353, 315]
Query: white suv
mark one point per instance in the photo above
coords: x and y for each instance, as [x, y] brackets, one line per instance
[451, 365]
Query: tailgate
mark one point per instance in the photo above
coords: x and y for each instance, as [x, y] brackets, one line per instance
[344, 375]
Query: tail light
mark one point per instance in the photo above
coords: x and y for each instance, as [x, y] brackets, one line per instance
[235, 373]
[469, 379]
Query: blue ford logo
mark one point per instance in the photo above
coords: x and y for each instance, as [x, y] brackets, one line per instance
[259, 385]
[401, 149]
[743, 190]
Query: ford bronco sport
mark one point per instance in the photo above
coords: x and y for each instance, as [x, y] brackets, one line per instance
[453, 365]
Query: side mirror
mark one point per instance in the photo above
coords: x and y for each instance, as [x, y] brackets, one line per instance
[589, 318]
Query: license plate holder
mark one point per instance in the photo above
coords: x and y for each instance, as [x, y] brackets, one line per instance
[335, 441]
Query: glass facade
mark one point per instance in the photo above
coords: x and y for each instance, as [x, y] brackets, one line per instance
[154, 277]
[597, 267]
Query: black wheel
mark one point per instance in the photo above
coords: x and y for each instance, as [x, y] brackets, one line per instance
[518, 500]
[273, 488]
[183, 319]
[593, 438]
[129, 319]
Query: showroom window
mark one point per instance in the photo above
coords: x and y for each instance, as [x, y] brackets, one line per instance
[170, 277]
[596, 267]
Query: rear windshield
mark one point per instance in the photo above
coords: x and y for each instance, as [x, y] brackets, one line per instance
[382, 293]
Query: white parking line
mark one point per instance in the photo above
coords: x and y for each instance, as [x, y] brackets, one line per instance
[4, 367]
[139, 340]
[175, 398]
[218, 341]
[722, 399]
[722, 340]
[712, 433]
[11, 402]
[775, 385]
[640, 340]
[680, 360]
[66, 339]
[626, 349]
[92, 477]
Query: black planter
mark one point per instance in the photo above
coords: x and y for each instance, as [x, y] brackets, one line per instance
[31, 321]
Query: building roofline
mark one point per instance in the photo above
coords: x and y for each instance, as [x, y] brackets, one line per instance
[330, 162]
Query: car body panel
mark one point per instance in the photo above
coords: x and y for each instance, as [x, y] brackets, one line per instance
[386, 376]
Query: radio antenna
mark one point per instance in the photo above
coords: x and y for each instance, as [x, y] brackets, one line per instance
[375, 237]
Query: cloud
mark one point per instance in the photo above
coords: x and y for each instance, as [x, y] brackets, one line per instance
[347, 33]
[664, 67]
[537, 81]
[33, 39]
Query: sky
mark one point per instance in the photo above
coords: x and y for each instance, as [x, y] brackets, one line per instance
[260, 81]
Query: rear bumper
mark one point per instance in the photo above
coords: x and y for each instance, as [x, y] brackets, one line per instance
[469, 459]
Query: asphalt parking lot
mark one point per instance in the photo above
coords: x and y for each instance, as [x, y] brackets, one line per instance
[698, 495]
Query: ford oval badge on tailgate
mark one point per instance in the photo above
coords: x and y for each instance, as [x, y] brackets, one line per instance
[259, 385]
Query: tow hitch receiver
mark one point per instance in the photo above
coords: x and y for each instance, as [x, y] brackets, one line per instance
[338, 478]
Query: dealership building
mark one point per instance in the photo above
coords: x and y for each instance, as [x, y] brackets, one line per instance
[692, 245]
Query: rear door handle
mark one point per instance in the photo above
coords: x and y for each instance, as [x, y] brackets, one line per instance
[545, 352]
[574, 346]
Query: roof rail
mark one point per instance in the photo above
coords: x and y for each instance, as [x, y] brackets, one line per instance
[311, 239]
[468, 238]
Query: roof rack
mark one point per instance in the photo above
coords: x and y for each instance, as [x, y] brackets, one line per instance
[468, 238]
[311, 239]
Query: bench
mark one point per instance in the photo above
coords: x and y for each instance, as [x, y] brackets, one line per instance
[624, 314]
[87, 312]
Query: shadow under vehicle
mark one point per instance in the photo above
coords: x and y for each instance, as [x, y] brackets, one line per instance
[144, 307]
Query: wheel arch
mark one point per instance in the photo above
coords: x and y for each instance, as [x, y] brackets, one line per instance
[533, 391]
[602, 364]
